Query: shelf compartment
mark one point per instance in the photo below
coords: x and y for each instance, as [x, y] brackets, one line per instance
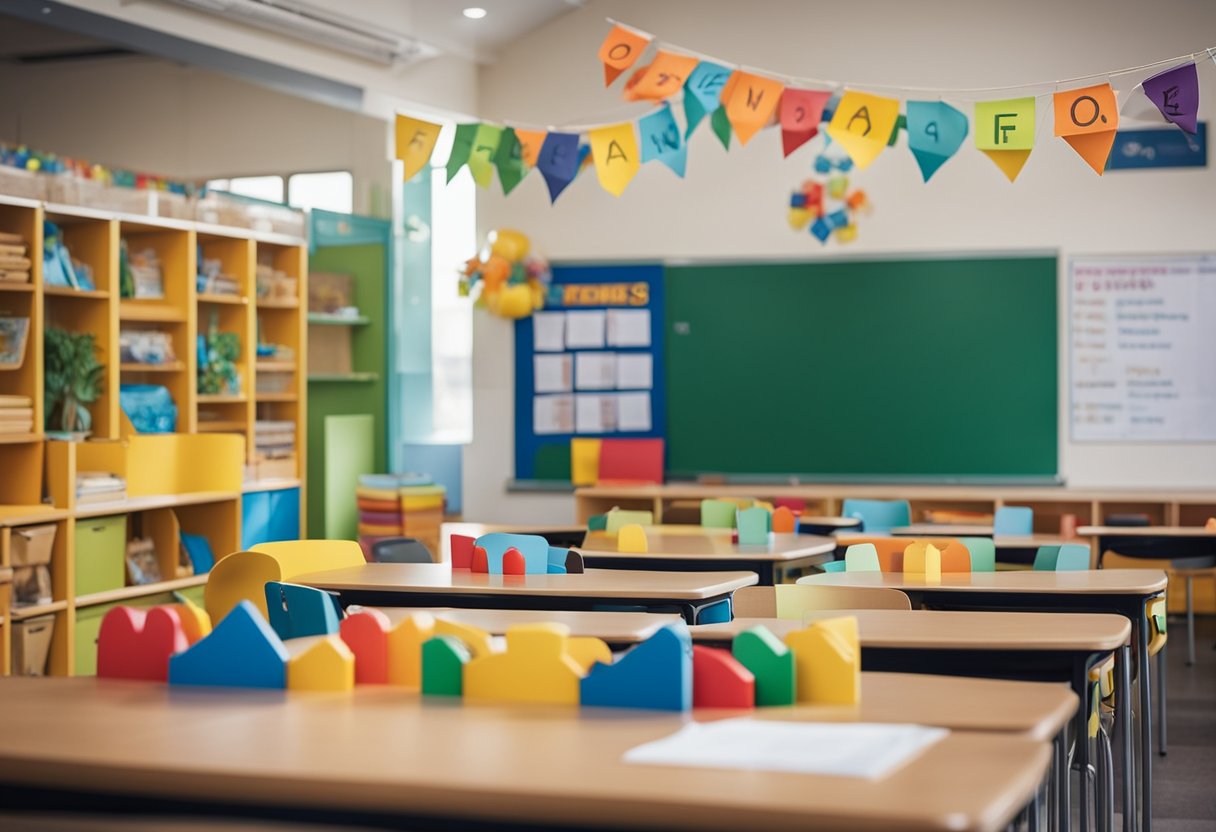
[14, 286]
[226, 300]
[276, 397]
[278, 304]
[220, 398]
[152, 311]
[35, 610]
[75, 294]
[128, 592]
[166, 367]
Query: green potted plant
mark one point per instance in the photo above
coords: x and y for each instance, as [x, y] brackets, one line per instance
[74, 379]
[218, 353]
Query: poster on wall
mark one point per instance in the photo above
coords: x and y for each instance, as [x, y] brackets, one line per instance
[1142, 334]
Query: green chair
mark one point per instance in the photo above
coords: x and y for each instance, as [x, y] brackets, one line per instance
[983, 553]
[861, 557]
[1070, 557]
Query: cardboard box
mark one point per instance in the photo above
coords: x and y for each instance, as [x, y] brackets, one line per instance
[32, 645]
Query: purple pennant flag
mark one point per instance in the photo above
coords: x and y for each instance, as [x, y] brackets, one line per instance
[1175, 93]
[558, 162]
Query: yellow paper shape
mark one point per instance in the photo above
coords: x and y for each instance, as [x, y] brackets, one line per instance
[1087, 119]
[586, 651]
[827, 659]
[664, 77]
[1005, 125]
[584, 461]
[752, 103]
[862, 125]
[1009, 161]
[475, 638]
[405, 649]
[922, 558]
[325, 663]
[530, 142]
[615, 149]
[631, 539]
[534, 668]
[415, 143]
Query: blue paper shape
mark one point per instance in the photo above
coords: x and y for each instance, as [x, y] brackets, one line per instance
[297, 611]
[702, 92]
[797, 200]
[661, 140]
[655, 675]
[821, 230]
[534, 548]
[753, 526]
[241, 652]
[844, 165]
[823, 164]
[838, 219]
[935, 133]
[558, 162]
[557, 560]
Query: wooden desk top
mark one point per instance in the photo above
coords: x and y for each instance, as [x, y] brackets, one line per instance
[526, 764]
[944, 530]
[1033, 541]
[836, 522]
[438, 578]
[612, 627]
[1147, 531]
[671, 543]
[955, 630]
[1097, 581]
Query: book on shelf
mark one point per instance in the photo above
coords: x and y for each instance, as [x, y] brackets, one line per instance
[12, 249]
[8, 238]
[15, 401]
[99, 487]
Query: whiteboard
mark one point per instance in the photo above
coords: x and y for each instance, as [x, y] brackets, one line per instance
[1142, 334]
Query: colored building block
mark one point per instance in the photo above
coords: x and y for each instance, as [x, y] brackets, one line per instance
[136, 644]
[558, 559]
[513, 563]
[784, 521]
[480, 562]
[243, 651]
[770, 662]
[195, 621]
[586, 651]
[719, 681]
[656, 674]
[631, 538]
[320, 663]
[597, 523]
[297, 611]
[405, 649]
[534, 668]
[462, 551]
[574, 563]
[533, 547]
[476, 639]
[443, 662]
[366, 634]
[922, 558]
[619, 518]
[718, 514]
[827, 658]
[753, 525]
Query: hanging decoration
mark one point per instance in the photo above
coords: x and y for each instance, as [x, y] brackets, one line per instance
[504, 278]
[621, 50]
[415, 143]
[703, 93]
[1004, 131]
[1087, 119]
[864, 125]
[661, 141]
[935, 133]
[1175, 93]
[824, 205]
[615, 150]
[801, 111]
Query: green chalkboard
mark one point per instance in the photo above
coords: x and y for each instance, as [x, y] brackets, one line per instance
[914, 367]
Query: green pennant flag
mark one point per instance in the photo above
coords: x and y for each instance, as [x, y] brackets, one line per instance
[485, 143]
[462, 146]
[509, 161]
[721, 126]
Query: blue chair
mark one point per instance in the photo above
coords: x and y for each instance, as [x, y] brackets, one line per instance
[861, 557]
[1070, 557]
[878, 516]
[1013, 521]
[983, 553]
[833, 566]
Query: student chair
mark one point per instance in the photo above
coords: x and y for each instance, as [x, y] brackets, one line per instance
[1070, 557]
[983, 553]
[242, 576]
[400, 550]
[878, 516]
[791, 601]
[890, 551]
[833, 566]
[861, 557]
[1013, 521]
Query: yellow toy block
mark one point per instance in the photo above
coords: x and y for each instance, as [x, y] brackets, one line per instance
[195, 622]
[923, 559]
[587, 651]
[827, 658]
[619, 518]
[405, 649]
[242, 576]
[631, 539]
[477, 640]
[320, 663]
[534, 668]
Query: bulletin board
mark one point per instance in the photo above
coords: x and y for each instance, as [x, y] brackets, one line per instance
[590, 364]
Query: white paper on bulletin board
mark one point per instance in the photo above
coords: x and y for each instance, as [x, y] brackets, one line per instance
[1142, 335]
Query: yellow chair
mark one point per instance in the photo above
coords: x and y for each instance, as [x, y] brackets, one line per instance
[242, 576]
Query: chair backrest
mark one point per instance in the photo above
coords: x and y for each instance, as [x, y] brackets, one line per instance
[795, 599]
[1069, 557]
[878, 516]
[983, 553]
[755, 602]
[1045, 558]
[1016, 521]
[956, 557]
[890, 551]
[242, 576]
[718, 514]
[401, 550]
[861, 557]
[833, 566]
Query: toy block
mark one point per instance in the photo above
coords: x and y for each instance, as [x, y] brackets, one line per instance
[719, 681]
[656, 674]
[631, 538]
[297, 611]
[480, 562]
[242, 576]
[136, 644]
[827, 658]
[574, 563]
[534, 668]
[631, 460]
[587, 650]
[443, 662]
[366, 634]
[533, 548]
[597, 523]
[619, 518]
[784, 521]
[405, 648]
[559, 561]
[770, 662]
[922, 558]
[195, 621]
[955, 557]
[243, 651]
[1210, 525]
[862, 557]
[513, 563]
[462, 551]
[476, 639]
[718, 514]
[320, 663]
[753, 524]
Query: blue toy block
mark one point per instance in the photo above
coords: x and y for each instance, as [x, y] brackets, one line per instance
[823, 164]
[656, 675]
[297, 611]
[821, 230]
[797, 200]
[443, 661]
[557, 560]
[241, 652]
[533, 547]
[838, 219]
[753, 525]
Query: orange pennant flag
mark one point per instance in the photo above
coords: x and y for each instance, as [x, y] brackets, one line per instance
[751, 103]
[1087, 119]
[530, 142]
[620, 50]
[663, 78]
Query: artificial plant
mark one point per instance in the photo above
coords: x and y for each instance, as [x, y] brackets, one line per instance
[217, 371]
[73, 379]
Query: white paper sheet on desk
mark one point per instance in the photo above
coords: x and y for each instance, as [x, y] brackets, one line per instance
[858, 749]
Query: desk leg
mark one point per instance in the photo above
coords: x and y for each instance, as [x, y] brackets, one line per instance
[1161, 699]
[1032, 821]
[1123, 720]
[1081, 740]
[1146, 728]
[1062, 798]
[1190, 622]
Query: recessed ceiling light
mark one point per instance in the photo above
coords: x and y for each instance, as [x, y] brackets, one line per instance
[474, 13]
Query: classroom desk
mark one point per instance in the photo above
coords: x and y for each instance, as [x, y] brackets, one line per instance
[826, 525]
[383, 754]
[436, 584]
[943, 530]
[561, 536]
[694, 549]
[1120, 591]
[1010, 548]
[619, 629]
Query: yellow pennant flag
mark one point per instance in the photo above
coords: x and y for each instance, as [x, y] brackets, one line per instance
[862, 125]
[415, 143]
[1087, 119]
[1004, 131]
[752, 102]
[615, 149]
[530, 142]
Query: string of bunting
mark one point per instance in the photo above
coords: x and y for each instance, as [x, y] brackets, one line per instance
[740, 101]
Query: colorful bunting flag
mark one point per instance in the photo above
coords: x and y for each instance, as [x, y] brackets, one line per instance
[720, 124]
[620, 50]
[661, 140]
[752, 102]
[1175, 92]
[508, 158]
[485, 142]
[558, 162]
[530, 142]
[1087, 119]
[862, 125]
[615, 150]
[801, 111]
[702, 92]
[935, 133]
[415, 143]
[462, 146]
[663, 78]
[1004, 131]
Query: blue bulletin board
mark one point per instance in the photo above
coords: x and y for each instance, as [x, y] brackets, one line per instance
[590, 364]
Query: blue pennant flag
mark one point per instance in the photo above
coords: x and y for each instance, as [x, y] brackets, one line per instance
[935, 133]
[702, 92]
[558, 162]
[661, 140]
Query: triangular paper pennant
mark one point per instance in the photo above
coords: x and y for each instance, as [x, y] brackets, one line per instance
[752, 102]
[615, 150]
[661, 141]
[485, 142]
[1004, 131]
[862, 125]
[620, 50]
[462, 146]
[801, 111]
[702, 92]
[1175, 93]
[1009, 161]
[415, 143]
[1087, 119]
[663, 78]
[530, 142]
[509, 161]
[558, 162]
[721, 126]
[935, 133]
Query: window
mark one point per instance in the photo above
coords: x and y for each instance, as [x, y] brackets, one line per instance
[332, 190]
[269, 188]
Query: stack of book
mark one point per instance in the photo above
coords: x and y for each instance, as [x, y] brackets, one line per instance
[16, 414]
[14, 259]
[274, 447]
[399, 505]
[99, 487]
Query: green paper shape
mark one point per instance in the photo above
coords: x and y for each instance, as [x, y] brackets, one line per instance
[901, 123]
[485, 144]
[443, 661]
[753, 525]
[597, 523]
[721, 126]
[718, 514]
[702, 90]
[509, 160]
[462, 146]
[771, 662]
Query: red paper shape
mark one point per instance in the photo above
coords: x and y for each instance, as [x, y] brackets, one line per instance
[366, 634]
[480, 562]
[800, 113]
[513, 562]
[631, 461]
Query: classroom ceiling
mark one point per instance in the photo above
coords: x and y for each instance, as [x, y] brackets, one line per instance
[24, 42]
[442, 23]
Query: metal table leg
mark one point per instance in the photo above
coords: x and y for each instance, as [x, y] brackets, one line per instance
[1161, 726]
[1190, 621]
[1062, 798]
[1081, 744]
[1146, 728]
[1123, 720]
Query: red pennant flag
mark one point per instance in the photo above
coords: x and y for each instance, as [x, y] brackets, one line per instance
[620, 50]
[801, 111]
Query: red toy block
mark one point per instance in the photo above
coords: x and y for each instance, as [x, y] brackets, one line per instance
[631, 460]
[462, 551]
[480, 562]
[513, 562]
[366, 634]
[137, 644]
[719, 681]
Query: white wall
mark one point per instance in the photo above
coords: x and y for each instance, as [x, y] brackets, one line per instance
[732, 205]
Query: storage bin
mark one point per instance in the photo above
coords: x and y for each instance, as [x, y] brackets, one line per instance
[32, 645]
[101, 544]
[14, 332]
[31, 556]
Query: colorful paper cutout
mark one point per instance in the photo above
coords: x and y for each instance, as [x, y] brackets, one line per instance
[719, 680]
[702, 92]
[615, 149]
[621, 50]
[923, 559]
[557, 162]
[530, 142]
[243, 651]
[720, 124]
[801, 111]
[462, 146]
[137, 644]
[1004, 132]
[443, 662]
[631, 538]
[770, 661]
[1175, 93]
[485, 143]
[664, 77]
[325, 664]
[661, 140]
[862, 124]
[753, 525]
[656, 674]
[935, 133]
[509, 161]
[1087, 119]
[751, 103]
[415, 143]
